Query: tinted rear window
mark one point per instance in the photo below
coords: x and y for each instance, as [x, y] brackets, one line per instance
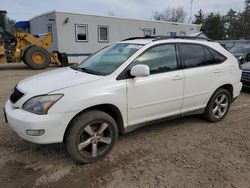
[193, 55]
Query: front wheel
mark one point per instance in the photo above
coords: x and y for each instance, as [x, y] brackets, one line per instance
[218, 106]
[36, 57]
[91, 136]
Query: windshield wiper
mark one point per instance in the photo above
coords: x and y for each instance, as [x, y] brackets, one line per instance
[83, 69]
[91, 71]
[75, 67]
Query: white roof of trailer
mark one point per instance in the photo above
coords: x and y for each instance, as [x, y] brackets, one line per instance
[156, 21]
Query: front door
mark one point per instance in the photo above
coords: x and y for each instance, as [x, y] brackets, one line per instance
[161, 93]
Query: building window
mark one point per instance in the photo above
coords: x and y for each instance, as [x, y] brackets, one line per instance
[183, 33]
[50, 28]
[147, 32]
[81, 33]
[173, 34]
[103, 33]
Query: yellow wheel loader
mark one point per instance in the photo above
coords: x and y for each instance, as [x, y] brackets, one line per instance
[28, 48]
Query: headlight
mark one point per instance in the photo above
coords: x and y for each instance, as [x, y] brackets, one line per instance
[41, 104]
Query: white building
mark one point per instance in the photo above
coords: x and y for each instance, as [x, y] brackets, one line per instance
[80, 34]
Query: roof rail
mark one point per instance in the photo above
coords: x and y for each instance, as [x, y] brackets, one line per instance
[157, 38]
[181, 37]
[135, 38]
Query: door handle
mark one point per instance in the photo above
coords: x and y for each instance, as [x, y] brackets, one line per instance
[217, 71]
[177, 77]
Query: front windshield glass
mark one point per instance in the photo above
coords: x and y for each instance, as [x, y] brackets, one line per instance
[240, 49]
[108, 59]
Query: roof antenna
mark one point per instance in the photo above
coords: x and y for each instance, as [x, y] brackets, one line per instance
[191, 11]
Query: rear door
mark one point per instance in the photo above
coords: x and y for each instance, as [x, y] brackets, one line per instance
[202, 71]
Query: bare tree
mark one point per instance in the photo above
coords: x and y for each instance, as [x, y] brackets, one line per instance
[177, 14]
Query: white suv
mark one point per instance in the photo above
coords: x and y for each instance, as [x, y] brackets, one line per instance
[121, 88]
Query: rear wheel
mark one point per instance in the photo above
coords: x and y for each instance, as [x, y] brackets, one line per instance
[218, 106]
[36, 57]
[91, 136]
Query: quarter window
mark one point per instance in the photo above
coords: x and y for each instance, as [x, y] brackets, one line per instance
[103, 33]
[218, 57]
[210, 59]
[193, 55]
[81, 33]
[159, 59]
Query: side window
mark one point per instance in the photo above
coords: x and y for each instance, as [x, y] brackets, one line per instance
[218, 57]
[81, 33]
[210, 59]
[103, 33]
[193, 55]
[159, 59]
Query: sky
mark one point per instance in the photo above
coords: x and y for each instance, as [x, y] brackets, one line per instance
[140, 9]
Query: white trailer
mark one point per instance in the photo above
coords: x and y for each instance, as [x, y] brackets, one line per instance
[79, 35]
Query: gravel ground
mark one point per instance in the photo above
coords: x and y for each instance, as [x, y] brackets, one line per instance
[187, 152]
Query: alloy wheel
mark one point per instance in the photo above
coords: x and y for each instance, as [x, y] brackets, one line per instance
[220, 107]
[94, 139]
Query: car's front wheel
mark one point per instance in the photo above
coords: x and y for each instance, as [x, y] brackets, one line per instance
[218, 106]
[91, 136]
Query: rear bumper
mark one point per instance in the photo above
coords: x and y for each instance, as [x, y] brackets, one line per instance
[53, 124]
[237, 89]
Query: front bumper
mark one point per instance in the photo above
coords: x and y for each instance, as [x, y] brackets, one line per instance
[53, 124]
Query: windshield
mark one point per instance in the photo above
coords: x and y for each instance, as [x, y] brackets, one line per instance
[240, 49]
[107, 60]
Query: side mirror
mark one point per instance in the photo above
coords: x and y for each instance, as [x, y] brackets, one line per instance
[140, 71]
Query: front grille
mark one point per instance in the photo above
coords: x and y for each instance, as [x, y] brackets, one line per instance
[16, 95]
[246, 75]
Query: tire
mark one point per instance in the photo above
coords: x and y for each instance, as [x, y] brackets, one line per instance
[90, 129]
[218, 106]
[63, 58]
[41, 62]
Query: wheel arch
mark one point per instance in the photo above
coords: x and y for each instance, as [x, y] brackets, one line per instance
[228, 87]
[110, 109]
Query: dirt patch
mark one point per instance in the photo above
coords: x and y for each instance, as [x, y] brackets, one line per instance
[187, 152]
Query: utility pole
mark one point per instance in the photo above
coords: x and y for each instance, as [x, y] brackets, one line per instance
[191, 11]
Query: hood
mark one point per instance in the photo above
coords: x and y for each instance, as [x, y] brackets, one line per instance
[54, 80]
[246, 66]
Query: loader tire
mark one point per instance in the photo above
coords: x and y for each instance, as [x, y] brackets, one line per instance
[63, 58]
[36, 57]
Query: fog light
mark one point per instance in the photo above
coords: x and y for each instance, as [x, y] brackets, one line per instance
[39, 132]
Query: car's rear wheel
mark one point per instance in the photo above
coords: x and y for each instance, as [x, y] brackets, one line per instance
[218, 106]
[91, 136]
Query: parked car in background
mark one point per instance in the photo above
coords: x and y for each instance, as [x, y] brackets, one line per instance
[122, 87]
[242, 53]
[246, 75]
